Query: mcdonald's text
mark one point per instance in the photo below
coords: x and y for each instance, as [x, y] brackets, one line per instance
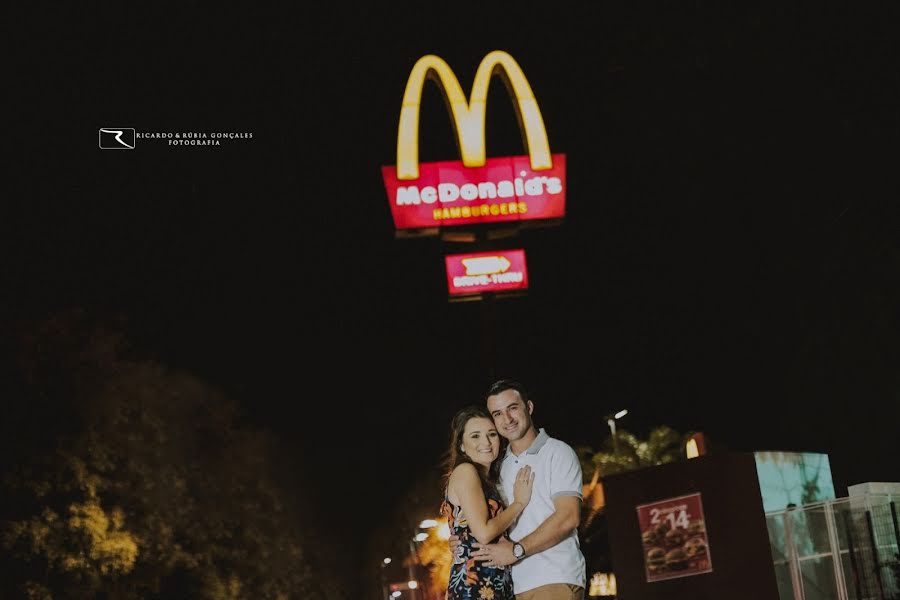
[449, 193]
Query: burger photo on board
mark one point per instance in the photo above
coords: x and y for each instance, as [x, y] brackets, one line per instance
[674, 538]
[697, 527]
[656, 559]
[695, 547]
[651, 537]
[676, 559]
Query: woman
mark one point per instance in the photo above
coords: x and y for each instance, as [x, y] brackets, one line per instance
[473, 506]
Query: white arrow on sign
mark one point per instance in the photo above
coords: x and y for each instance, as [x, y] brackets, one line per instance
[486, 265]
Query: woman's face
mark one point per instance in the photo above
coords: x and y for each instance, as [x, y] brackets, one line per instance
[480, 441]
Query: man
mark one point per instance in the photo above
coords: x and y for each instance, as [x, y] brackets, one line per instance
[542, 548]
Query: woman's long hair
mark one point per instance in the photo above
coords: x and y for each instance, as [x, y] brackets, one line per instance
[455, 456]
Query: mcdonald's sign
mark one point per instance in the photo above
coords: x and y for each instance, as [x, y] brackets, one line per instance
[475, 189]
[495, 271]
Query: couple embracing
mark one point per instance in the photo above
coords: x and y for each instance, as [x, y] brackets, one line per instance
[513, 516]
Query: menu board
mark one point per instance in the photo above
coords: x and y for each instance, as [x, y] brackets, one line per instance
[673, 533]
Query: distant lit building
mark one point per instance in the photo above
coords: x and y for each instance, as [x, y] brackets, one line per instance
[603, 584]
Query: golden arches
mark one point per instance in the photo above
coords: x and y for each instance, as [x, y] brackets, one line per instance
[468, 116]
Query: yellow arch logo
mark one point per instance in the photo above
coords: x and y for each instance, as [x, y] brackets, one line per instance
[468, 116]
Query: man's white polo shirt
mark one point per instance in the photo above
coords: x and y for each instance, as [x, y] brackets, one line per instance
[557, 472]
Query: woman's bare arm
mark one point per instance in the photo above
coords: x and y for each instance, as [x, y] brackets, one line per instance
[466, 486]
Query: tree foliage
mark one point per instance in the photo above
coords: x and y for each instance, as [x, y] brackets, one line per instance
[663, 445]
[434, 555]
[626, 453]
[137, 481]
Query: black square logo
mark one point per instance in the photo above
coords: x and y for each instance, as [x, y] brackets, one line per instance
[117, 138]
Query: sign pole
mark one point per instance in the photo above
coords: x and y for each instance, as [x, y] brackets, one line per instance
[489, 333]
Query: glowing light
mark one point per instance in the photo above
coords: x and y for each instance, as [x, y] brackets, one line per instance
[691, 448]
[468, 115]
[486, 265]
[421, 537]
[387, 560]
[396, 594]
[413, 584]
[621, 413]
[427, 524]
[603, 584]
[444, 532]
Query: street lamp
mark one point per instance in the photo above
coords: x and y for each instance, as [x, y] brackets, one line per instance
[611, 421]
[413, 559]
[384, 586]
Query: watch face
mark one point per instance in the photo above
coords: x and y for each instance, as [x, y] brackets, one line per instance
[518, 550]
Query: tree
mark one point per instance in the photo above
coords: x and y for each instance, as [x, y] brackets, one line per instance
[663, 445]
[434, 554]
[138, 481]
[431, 560]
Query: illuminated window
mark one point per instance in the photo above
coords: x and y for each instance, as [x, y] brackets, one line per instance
[603, 584]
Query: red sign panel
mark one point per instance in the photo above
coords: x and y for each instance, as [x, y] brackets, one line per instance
[673, 533]
[504, 189]
[497, 271]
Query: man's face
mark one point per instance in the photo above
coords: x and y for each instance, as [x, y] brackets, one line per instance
[511, 416]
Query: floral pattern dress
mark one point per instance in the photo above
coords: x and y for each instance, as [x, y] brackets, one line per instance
[469, 579]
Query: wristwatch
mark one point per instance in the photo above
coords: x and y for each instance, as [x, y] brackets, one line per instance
[518, 550]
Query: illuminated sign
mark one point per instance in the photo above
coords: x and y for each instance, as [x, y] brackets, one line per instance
[695, 446]
[476, 189]
[497, 271]
[673, 536]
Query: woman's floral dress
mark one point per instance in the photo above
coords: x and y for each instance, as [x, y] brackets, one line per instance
[471, 580]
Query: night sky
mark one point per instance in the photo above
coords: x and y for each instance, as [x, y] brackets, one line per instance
[729, 261]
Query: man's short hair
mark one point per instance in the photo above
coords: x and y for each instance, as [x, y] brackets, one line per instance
[501, 385]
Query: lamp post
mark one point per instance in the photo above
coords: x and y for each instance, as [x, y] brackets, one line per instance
[611, 421]
[385, 592]
[413, 561]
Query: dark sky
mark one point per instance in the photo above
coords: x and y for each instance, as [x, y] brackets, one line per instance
[730, 259]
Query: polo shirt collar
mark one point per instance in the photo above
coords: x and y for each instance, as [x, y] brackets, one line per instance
[536, 445]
